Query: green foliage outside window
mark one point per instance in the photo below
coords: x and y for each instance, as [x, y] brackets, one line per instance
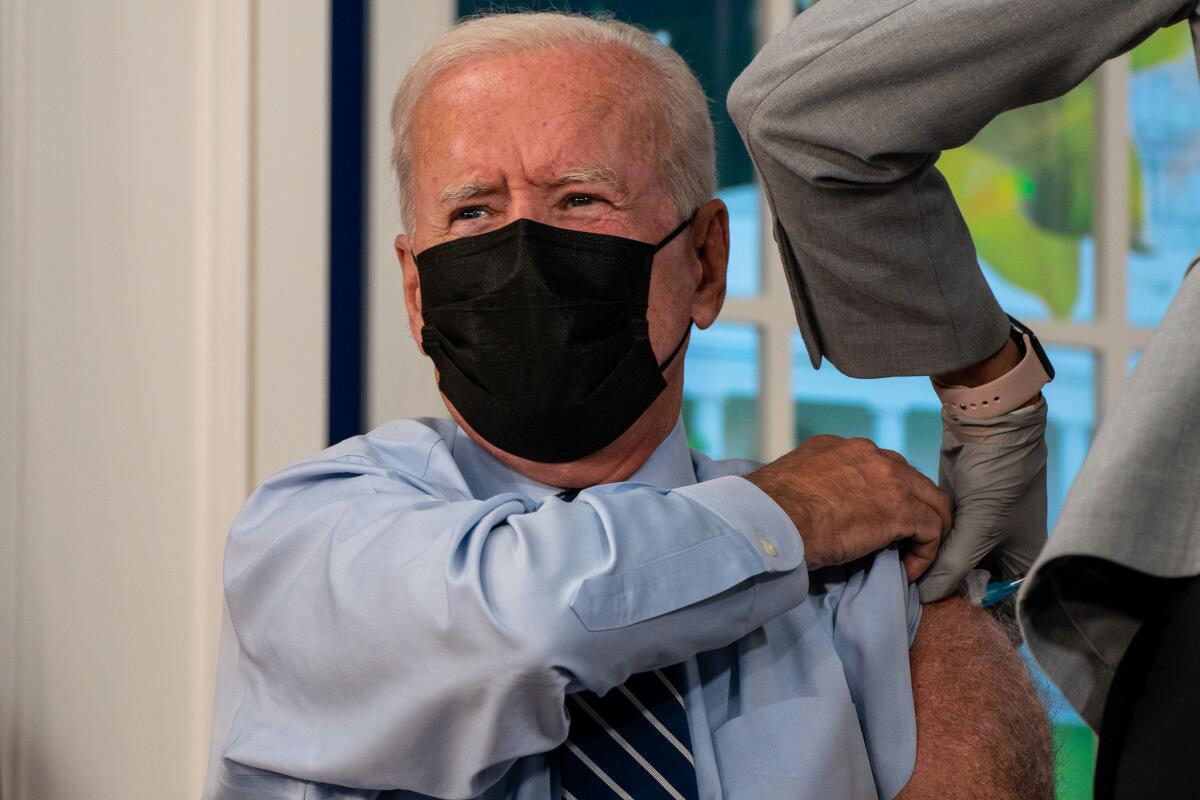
[1026, 186]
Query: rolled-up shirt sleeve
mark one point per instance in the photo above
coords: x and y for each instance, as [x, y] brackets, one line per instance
[393, 632]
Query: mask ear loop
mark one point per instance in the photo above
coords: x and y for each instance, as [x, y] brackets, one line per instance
[687, 331]
[683, 226]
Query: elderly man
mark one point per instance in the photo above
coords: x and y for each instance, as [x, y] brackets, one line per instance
[551, 596]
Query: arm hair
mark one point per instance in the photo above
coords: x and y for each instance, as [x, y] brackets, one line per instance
[982, 734]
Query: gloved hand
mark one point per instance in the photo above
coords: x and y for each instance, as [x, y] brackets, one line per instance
[994, 471]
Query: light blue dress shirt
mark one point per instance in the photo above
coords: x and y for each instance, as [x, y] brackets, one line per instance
[405, 615]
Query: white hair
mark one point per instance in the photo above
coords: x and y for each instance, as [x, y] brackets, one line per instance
[687, 160]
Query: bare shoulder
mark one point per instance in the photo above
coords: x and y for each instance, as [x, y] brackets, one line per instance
[981, 731]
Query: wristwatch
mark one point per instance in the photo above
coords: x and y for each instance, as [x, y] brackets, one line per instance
[1008, 392]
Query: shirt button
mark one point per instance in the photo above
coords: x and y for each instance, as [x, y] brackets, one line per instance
[769, 548]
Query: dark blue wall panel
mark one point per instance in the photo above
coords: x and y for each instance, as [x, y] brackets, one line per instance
[347, 217]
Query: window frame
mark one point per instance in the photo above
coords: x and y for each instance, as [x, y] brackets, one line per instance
[1109, 336]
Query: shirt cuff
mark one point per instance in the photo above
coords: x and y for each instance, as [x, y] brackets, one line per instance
[752, 513]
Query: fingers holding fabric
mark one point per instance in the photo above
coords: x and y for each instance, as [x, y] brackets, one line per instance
[995, 471]
[849, 498]
[929, 530]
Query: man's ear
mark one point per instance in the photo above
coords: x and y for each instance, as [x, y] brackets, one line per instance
[710, 238]
[412, 287]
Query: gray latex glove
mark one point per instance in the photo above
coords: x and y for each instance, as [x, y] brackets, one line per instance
[994, 471]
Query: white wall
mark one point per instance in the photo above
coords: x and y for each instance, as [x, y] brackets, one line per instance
[401, 379]
[162, 332]
[291, 232]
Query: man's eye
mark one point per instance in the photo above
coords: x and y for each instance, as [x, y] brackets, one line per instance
[472, 212]
[580, 200]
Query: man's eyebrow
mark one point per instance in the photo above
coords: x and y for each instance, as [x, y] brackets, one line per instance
[453, 195]
[606, 176]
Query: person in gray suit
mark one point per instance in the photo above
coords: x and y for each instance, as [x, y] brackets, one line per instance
[845, 114]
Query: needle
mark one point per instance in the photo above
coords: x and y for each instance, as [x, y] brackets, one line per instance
[999, 590]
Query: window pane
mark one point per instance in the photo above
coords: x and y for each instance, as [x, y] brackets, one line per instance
[904, 414]
[1165, 122]
[745, 253]
[716, 39]
[1024, 185]
[826, 401]
[1072, 399]
[720, 391]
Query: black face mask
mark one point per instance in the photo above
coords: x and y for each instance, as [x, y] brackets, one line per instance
[540, 336]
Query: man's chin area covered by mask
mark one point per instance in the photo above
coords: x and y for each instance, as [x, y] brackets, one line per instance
[612, 463]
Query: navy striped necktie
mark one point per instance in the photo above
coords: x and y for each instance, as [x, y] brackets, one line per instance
[631, 744]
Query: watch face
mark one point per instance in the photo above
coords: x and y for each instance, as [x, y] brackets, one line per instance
[1018, 333]
[1042, 357]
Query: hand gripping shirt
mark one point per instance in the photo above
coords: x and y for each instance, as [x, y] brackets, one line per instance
[405, 616]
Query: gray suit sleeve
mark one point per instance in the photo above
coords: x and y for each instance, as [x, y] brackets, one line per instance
[845, 113]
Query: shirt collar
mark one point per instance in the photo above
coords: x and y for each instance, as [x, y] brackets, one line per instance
[668, 467]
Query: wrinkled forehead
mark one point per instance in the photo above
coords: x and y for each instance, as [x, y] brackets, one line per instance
[539, 113]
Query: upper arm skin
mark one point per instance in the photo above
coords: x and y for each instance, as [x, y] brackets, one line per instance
[981, 731]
